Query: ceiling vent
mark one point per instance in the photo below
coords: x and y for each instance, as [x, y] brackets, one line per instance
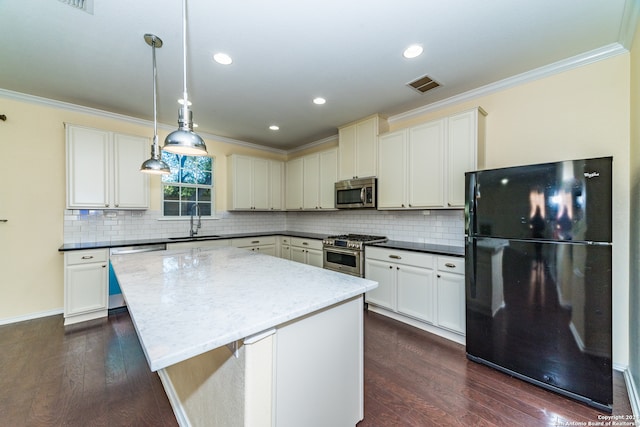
[423, 84]
[84, 5]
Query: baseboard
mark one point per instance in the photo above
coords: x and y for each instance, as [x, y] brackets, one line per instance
[632, 390]
[31, 316]
[460, 339]
[178, 409]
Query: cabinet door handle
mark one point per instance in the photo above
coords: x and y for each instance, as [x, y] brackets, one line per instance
[104, 266]
[4, 220]
[395, 256]
[87, 257]
[106, 205]
[450, 265]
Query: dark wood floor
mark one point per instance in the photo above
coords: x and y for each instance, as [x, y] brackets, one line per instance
[413, 378]
[90, 374]
[95, 374]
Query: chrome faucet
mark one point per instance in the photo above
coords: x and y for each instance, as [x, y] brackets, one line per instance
[193, 231]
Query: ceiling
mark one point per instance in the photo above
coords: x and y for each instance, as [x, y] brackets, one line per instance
[286, 52]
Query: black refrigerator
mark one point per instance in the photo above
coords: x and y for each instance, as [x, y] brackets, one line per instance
[538, 275]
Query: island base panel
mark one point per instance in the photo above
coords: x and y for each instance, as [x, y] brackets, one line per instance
[306, 372]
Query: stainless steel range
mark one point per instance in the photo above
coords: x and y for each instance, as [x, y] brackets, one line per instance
[345, 253]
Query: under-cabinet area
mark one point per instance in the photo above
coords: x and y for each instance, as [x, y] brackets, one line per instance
[422, 289]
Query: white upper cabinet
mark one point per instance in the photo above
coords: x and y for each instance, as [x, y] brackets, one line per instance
[131, 187]
[103, 169]
[465, 151]
[358, 148]
[410, 175]
[254, 183]
[392, 178]
[328, 178]
[310, 181]
[294, 179]
[276, 185]
[422, 167]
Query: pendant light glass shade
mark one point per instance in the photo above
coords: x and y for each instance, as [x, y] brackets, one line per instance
[154, 165]
[185, 140]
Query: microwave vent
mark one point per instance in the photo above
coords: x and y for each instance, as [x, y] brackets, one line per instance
[423, 84]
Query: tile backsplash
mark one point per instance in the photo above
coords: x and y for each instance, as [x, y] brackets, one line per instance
[444, 227]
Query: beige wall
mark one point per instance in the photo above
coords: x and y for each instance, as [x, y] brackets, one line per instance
[634, 264]
[32, 198]
[580, 113]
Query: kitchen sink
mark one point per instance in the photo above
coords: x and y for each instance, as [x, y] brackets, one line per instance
[209, 236]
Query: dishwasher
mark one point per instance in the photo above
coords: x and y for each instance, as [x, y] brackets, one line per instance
[116, 299]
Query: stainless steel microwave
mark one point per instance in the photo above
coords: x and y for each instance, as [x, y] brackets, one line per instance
[356, 193]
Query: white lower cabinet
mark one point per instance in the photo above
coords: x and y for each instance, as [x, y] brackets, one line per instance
[405, 281]
[86, 285]
[265, 244]
[285, 247]
[422, 289]
[450, 290]
[307, 251]
[199, 244]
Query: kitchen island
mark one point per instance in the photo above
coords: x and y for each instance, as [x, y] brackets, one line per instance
[245, 339]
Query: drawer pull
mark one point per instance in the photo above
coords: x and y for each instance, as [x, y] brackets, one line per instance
[450, 265]
[395, 256]
[87, 257]
[255, 241]
[305, 243]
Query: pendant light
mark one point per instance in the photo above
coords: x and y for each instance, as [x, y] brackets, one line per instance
[154, 165]
[185, 140]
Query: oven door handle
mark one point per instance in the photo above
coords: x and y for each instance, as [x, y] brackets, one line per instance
[342, 251]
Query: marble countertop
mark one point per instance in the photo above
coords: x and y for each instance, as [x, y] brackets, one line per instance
[186, 302]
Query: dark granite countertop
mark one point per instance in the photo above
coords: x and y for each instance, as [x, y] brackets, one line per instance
[422, 247]
[392, 244]
[143, 242]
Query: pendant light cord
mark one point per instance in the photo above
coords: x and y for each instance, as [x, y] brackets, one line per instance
[184, 55]
[155, 94]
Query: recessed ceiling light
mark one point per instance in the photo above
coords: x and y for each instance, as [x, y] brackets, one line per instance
[222, 58]
[319, 101]
[413, 51]
[274, 127]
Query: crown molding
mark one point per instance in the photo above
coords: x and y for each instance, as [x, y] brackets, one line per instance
[121, 117]
[326, 140]
[571, 63]
[629, 23]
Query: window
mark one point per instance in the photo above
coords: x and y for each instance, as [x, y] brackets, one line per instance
[190, 182]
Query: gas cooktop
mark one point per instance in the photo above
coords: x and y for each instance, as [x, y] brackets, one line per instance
[353, 241]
